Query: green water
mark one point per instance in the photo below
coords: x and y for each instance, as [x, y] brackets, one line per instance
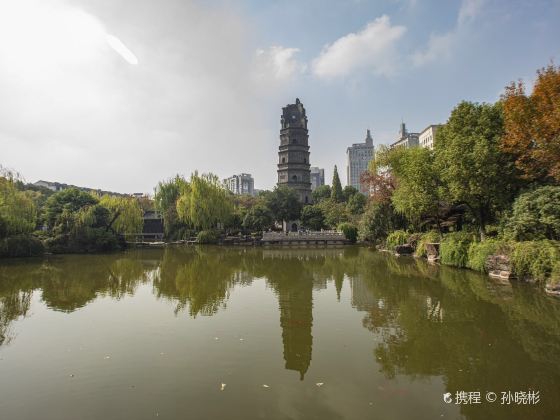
[155, 333]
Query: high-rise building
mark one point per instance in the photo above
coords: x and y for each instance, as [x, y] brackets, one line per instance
[405, 139]
[358, 157]
[293, 153]
[427, 137]
[240, 184]
[317, 177]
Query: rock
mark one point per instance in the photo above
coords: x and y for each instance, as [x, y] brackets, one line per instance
[432, 251]
[498, 263]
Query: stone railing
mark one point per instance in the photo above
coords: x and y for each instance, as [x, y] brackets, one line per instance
[311, 236]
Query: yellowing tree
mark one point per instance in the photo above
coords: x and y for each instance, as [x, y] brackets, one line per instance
[532, 126]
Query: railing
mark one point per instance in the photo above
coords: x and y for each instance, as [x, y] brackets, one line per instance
[302, 235]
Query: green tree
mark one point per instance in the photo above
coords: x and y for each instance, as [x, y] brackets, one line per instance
[336, 191]
[284, 203]
[418, 192]
[335, 213]
[126, 215]
[536, 215]
[312, 217]
[62, 207]
[166, 195]
[356, 204]
[348, 192]
[18, 213]
[473, 169]
[258, 218]
[204, 202]
[376, 222]
[322, 192]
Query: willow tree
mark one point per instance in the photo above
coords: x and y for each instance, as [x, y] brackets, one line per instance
[18, 213]
[126, 214]
[204, 203]
[167, 193]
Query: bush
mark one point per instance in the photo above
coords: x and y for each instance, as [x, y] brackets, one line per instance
[426, 238]
[21, 246]
[454, 248]
[207, 237]
[536, 215]
[534, 259]
[375, 223]
[395, 238]
[350, 231]
[479, 252]
[84, 240]
[555, 275]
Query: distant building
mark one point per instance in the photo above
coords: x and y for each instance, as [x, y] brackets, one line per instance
[240, 184]
[406, 139]
[57, 186]
[427, 136]
[358, 157]
[317, 177]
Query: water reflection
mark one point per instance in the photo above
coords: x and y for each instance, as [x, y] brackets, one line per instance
[428, 320]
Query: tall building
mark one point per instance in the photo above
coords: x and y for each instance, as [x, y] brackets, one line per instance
[293, 153]
[427, 136]
[358, 157]
[240, 184]
[405, 139]
[317, 177]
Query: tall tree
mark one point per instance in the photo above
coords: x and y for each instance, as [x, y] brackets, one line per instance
[418, 192]
[336, 190]
[204, 202]
[284, 203]
[18, 213]
[532, 126]
[126, 214]
[473, 169]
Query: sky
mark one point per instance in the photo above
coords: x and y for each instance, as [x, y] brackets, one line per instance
[121, 94]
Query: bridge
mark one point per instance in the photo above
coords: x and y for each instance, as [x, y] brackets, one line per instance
[301, 238]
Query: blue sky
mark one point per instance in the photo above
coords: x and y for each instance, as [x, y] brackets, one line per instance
[207, 79]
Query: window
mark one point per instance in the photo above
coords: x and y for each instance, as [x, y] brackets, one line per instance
[294, 141]
[294, 178]
[283, 160]
[304, 160]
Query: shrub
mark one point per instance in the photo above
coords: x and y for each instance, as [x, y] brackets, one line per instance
[454, 248]
[555, 275]
[21, 246]
[534, 259]
[536, 215]
[375, 223]
[350, 231]
[426, 238]
[207, 237]
[479, 252]
[395, 238]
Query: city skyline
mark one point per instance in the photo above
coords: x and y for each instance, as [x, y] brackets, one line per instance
[120, 95]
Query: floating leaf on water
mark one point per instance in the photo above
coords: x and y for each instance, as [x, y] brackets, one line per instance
[107, 357]
[265, 386]
[319, 383]
[222, 387]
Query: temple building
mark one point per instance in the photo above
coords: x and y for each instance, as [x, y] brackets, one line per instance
[293, 153]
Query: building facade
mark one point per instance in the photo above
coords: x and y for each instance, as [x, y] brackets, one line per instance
[358, 157]
[317, 177]
[240, 184]
[293, 153]
[427, 136]
[406, 139]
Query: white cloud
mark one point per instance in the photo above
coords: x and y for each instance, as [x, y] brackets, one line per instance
[277, 63]
[469, 10]
[439, 46]
[372, 48]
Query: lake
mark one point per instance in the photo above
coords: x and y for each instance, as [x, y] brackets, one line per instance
[253, 333]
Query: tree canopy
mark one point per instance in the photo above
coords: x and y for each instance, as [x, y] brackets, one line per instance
[336, 189]
[532, 126]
